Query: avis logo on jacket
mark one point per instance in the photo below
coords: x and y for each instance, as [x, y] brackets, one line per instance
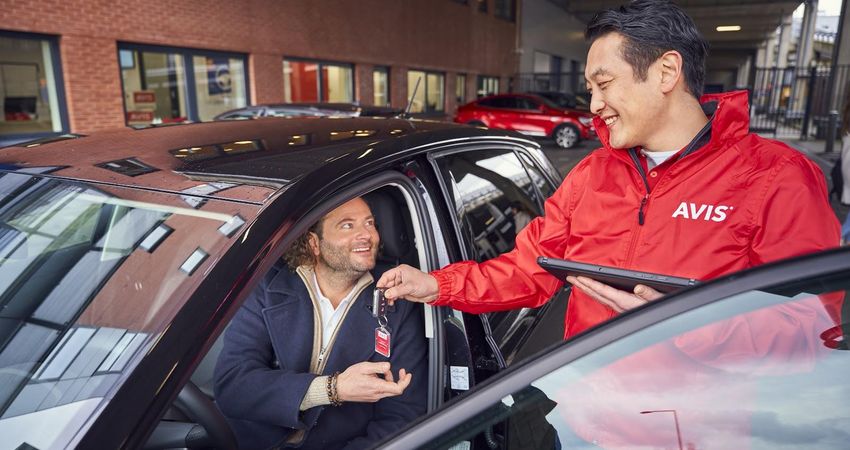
[701, 212]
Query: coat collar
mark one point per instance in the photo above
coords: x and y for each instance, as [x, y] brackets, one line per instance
[730, 120]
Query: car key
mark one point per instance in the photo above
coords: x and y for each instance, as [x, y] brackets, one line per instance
[382, 333]
[379, 303]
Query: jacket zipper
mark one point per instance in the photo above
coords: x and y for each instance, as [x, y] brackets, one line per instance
[645, 198]
[317, 321]
[692, 146]
[321, 360]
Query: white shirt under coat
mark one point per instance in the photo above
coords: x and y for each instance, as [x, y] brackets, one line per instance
[329, 315]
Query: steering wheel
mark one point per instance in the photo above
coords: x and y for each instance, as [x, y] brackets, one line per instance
[210, 428]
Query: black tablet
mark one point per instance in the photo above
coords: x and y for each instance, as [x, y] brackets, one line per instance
[619, 278]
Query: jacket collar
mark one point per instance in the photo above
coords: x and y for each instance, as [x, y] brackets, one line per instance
[283, 282]
[730, 121]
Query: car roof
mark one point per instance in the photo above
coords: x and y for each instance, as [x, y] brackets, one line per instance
[269, 152]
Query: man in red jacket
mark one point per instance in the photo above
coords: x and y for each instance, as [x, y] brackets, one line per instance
[679, 187]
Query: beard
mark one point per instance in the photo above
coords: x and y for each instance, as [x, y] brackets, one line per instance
[339, 259]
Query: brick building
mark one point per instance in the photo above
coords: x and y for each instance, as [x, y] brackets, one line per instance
[81, 66]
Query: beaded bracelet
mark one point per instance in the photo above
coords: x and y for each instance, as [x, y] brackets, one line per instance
[333, 395]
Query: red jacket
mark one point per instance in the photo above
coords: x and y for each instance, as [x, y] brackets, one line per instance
[733, 202]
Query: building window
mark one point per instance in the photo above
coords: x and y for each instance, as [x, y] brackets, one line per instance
[460, 89]
[167, 85]
[219, 84]
[430, 95]
[30, 88]
[313, 81]
[505, 9]
[487, 86]
[381, 85]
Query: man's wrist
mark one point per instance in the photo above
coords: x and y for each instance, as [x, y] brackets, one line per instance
[316, 394]
[441, 281]
[332, 392]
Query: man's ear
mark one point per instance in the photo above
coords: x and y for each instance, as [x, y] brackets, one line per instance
[313, 241]
[670, 66]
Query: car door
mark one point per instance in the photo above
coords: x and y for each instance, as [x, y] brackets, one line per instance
[534, 121]
[491, 111]
[753, 360]
[489, 189]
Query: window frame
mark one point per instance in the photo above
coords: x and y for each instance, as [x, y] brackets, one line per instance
[61, 99]
[512, 347]
[189, 67]
[467, 251]
[481, 84]
[424, 86]
[505, 10]
[388, 93]
[322, 63]
[460, 86]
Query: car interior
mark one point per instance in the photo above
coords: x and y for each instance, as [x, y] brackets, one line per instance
[194, 421]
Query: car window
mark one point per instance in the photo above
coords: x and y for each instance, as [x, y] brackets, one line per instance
[493, 196]
[545, 189]
[293, 112]
[89, 278]
[240, 114]
[500, 102]
[763, 369]
[527, 103]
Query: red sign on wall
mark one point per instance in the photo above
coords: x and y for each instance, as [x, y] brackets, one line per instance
[139, 116]
[144, 97]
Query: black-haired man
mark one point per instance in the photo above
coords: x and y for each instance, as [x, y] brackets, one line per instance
[680, 187]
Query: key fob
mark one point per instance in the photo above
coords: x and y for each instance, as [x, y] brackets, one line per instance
[379, 303]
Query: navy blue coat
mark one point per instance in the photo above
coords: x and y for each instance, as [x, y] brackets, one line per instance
[263, 370]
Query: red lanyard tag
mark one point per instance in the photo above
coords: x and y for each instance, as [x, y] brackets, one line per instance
[382, 341]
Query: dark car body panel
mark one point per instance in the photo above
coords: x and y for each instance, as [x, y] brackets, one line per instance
[275, 163]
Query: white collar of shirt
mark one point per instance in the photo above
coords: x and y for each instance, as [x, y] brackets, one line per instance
[656, 158]
[329, 316]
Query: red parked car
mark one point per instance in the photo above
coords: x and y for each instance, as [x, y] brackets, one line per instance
[531, 115]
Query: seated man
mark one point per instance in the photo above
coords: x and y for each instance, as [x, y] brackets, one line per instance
[303, 363]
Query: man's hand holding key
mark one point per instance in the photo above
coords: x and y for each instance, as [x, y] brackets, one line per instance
[410, 283]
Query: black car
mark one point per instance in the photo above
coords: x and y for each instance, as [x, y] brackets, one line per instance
[309, 110]
[124, 255]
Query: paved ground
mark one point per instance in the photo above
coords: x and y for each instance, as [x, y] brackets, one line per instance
[565, 160]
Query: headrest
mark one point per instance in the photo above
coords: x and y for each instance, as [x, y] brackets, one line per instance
[395, 242]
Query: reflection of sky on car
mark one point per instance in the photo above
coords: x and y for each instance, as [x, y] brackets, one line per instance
[792, 396]
[474, 187]
[89, 277]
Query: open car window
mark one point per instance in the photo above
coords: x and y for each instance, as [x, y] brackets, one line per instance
[762, 369]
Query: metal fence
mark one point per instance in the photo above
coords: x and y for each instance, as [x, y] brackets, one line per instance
[791, 102]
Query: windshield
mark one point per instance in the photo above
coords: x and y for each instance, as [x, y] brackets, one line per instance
[89, 277]
[762, 369]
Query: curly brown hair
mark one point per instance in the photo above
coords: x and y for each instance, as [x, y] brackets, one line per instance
[300, 253]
